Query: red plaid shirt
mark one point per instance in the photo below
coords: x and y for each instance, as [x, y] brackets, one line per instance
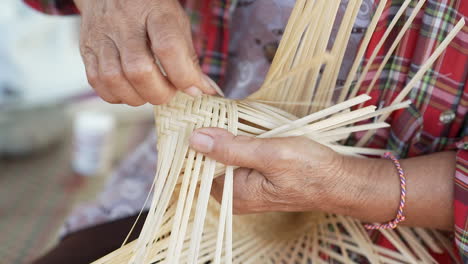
[436, 121]
[437, 118]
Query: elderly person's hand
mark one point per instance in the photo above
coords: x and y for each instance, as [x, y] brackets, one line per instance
[297, 174]
[120, 42]
[278, 174]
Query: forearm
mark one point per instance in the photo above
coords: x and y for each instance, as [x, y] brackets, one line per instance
[373, 193]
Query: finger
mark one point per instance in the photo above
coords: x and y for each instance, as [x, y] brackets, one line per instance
[142, 72]
[250, 192]
[92, 73]
[111, 75]
[233, 150]
[177, 56]
[217, 188]
[188, 37]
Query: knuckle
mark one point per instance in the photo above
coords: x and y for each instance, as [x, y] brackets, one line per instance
[267, 157]
[281, 153]
[267, 190]
[165, 44]
[93, 80]
[110, 78]
[90, 41]
[229, 156]
[85, 50]
[136, 71]
[87, 53]
[267, 193]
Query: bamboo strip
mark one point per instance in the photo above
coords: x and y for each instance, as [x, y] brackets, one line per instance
[332, 121]
[415, 245]
[428, 239]
[180, 230]
[330, 74]
[395, 43]
[379, 45]
[316, 116]
[448, 246]
[362, 49]
[348, 130]
[418, 76]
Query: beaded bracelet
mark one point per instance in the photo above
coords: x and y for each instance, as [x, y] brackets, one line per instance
[400, 217]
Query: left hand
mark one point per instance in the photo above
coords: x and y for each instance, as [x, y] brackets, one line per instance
[297, 174]
[277, 174]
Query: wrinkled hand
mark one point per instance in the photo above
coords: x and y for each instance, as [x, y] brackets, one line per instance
[120, 41]
[297, 175]
[277, 174]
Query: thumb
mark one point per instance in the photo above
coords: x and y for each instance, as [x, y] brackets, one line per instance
[222, 146]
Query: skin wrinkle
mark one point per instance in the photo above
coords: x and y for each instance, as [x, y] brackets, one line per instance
[93, 77]
[262, 201]
[137, 71]
[306, 176]
[112, 74]
[142, 31]
[275, 159]
[166, 42]
[89, 57]
[267, 159]
[135, 35]
[355, 191]
[246, 194]
[110, 70]
[293, 174]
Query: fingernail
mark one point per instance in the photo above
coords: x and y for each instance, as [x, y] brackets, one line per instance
[210, 83]
[193, 91]
[205, 79]
[201, 142]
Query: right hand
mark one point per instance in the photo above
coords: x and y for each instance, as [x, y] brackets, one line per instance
[120, 42]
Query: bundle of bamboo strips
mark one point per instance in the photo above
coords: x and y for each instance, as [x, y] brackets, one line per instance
[185, 226]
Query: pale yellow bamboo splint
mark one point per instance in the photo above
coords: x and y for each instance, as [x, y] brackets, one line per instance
[184, 225]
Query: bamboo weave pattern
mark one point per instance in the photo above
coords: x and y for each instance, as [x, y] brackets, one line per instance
[185, 225]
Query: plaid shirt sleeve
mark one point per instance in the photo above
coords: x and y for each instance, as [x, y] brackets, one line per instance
[53, 7]
[461, 199]
[210, 27]
[437, 118]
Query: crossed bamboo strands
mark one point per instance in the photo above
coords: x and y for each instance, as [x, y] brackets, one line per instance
[185, 226]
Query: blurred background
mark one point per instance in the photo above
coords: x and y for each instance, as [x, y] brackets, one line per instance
[58, 140]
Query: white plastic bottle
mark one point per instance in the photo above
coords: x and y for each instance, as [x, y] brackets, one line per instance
[92, 143]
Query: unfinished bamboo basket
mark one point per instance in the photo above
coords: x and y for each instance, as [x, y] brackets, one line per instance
[185, 225]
